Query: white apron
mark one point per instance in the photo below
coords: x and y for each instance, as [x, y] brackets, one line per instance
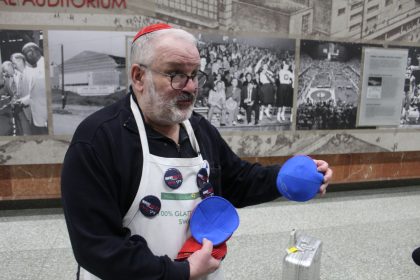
[166, 232]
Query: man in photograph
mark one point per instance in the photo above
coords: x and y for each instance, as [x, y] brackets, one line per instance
[8, 95]
[22, 112]
[217, 102]
[37, 99]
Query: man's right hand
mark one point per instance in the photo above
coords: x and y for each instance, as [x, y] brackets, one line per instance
[202, 262]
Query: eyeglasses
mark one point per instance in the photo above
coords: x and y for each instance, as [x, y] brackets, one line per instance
[180, 80]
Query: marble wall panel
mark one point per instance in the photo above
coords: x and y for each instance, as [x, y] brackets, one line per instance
[245, 143]
[37, 181]
[363, 167]
[5, 182]
[42, 181]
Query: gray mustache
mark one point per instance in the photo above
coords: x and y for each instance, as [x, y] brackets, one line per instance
[186, 96]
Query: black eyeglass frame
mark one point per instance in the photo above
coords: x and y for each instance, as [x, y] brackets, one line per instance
[172, 76]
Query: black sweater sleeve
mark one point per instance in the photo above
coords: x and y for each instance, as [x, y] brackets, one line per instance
[241, 182]
[93, 191]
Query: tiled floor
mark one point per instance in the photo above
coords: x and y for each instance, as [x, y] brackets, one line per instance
[366, 235]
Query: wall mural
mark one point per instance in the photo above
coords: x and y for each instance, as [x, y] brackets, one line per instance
[235, 37]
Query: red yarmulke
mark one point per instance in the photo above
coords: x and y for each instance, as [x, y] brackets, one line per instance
[191, 245]
[151, 28]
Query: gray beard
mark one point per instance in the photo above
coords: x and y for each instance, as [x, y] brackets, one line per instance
[166, 112]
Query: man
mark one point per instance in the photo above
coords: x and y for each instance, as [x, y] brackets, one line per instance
[233, 99]
[266, 79]
[37, 98]
[10, 91]
[284, 98]
[250, 99]
[217, 102]
[10, 78]
[119, 195]
[23, 112]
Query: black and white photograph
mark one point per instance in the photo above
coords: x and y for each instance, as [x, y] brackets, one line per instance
[250, 81]
[88, 72]
[374, 88]
[410, 116]
[128, 42]
[328, 90]
[382, 84]
[23, 98]
[388, 20]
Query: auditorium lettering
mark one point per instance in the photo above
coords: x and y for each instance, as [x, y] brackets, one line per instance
[97, 4]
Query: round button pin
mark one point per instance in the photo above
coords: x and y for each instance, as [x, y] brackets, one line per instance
[173, 178]
[206, 166]
[202, 177]
[206, 190]
[150, 206]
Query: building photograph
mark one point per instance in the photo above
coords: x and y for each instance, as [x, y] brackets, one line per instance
[88, 72]
[389, 20]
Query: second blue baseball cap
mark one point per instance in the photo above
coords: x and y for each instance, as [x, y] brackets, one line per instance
[215, 219]
[299, 179]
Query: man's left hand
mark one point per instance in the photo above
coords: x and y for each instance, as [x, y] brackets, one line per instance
[323, 167]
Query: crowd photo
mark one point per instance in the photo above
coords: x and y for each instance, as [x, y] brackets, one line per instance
[328, 91]
[23, 99]
[250, 81]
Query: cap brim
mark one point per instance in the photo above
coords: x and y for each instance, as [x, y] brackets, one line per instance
[191, 245]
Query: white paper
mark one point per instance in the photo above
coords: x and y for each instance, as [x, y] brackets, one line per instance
[382, 87]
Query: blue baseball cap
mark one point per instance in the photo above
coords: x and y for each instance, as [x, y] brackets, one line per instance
[299, 179]
[214, 218]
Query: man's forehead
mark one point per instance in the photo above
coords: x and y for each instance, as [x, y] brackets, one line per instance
[174, 42]
[173, 65]
[29, 49]
[176, 55]
[7, 70]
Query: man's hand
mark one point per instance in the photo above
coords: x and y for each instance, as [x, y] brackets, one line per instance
[202, 262]
[323, 167]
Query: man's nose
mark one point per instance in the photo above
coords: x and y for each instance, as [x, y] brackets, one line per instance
[191, 85]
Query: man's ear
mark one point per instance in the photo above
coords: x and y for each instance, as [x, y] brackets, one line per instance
[137, 77]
